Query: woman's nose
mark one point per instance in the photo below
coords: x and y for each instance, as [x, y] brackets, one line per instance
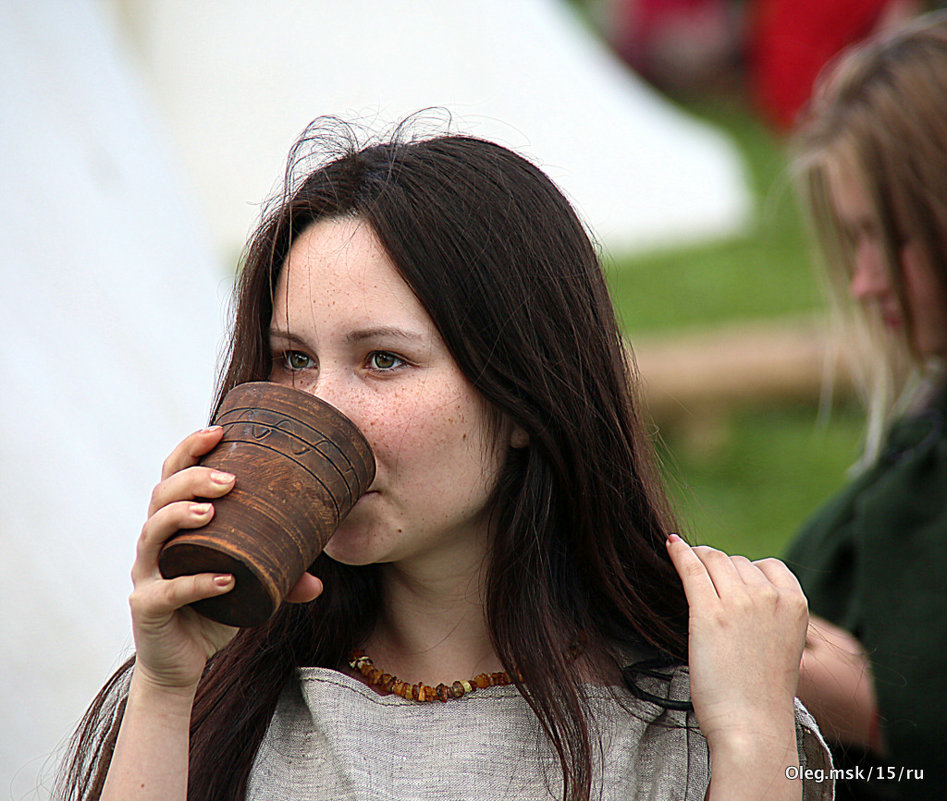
[332, 389]
[869, 279]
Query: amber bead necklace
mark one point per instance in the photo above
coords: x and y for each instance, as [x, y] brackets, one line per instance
[422, 692]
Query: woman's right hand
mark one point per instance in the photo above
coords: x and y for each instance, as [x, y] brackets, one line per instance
[172, 641]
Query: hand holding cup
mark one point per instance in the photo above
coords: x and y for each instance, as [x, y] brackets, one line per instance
[300, 466]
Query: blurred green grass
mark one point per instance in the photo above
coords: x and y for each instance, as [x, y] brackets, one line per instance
[764, 473]
[746, 480]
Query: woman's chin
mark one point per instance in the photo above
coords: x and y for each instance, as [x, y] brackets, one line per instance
[355, 541]
[350, 548]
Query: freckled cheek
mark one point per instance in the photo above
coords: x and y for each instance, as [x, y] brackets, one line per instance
[431, 439]
[409, 436]
[393, 432]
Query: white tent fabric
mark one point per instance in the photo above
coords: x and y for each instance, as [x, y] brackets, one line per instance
[109, 327]
[238, 81]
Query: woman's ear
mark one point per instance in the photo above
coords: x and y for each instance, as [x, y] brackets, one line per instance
[518, 438]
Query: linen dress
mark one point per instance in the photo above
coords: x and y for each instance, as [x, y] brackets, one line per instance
[332, 737]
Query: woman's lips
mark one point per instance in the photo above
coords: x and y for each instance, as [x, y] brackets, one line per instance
[891, 320]
[365, 495]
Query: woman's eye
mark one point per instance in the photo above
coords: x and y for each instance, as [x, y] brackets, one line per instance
[382, 360]
[296, 360]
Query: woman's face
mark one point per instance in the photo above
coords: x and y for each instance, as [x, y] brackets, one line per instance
[871, 282]
[348, 329]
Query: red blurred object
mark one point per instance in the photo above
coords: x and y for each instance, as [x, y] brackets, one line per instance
[681, 46]
[790, 42]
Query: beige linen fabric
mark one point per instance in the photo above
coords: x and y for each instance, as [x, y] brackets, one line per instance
[334, 738]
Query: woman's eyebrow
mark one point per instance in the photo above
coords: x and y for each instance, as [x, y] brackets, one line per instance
[289, 336]
[382, 332]
[357, 336]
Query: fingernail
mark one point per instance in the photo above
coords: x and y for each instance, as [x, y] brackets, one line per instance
[223, 581]
[672, 537]
[199, 509]
[221, 478]
[210, 429]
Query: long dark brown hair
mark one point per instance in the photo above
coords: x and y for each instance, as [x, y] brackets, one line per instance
[508, 274]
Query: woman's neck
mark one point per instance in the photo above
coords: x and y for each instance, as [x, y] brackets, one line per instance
[433, 626]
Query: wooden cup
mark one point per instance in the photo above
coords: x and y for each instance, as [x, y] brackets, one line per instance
[300, 466]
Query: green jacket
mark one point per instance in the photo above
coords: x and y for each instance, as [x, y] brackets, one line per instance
[874, 561]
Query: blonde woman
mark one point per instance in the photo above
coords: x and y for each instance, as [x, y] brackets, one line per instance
[872, 157]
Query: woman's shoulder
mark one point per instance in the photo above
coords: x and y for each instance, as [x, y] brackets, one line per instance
[663, 687]
[901, 492]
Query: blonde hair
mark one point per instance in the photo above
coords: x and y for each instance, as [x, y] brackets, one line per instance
[881, 108]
